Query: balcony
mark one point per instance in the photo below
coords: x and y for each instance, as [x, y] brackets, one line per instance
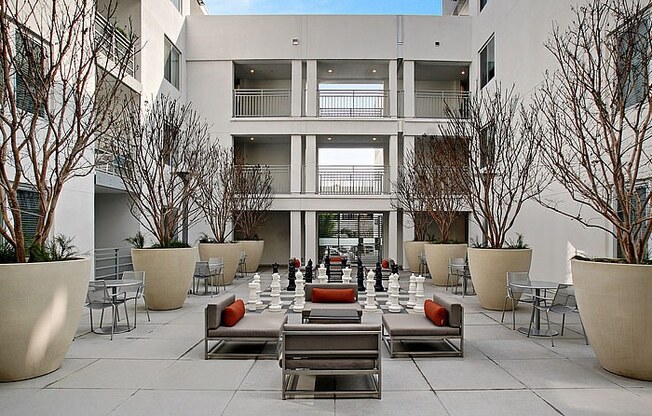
[353, 103]
[280, 178]
[352, 180]
[114, 44]
[432, 104]
[261, 103]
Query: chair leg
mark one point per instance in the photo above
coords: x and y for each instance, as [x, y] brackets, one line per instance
[146, 308]
[126, 313]
[90, 314]
[502, 318]
[102, 318]
[513, 315]
[114, 311]
[531, 320]
[552, 339]
[135, 310]
[563, 321]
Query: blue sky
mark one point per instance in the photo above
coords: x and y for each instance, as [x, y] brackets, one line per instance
[430, 7]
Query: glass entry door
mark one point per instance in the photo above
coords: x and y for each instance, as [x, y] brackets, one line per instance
[351, 235]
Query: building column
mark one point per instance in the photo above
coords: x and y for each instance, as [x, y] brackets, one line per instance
[393, 88]
[297, 88]
[295, 234]
[393, 160]
[311, 236]
[295, 164]
[392, 236]
[408, 87]
[311, 88]
[311, 164]
[408, 227]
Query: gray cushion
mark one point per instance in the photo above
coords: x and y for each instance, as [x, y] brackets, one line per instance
[415, 325]
[214, 311]
[332, 364]
[266, 325]
[311, 305]
[455, 310]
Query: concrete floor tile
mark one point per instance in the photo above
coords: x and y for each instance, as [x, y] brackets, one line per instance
[405, 403]
[513, 349]
[162, 349]
[490, 332]
[554, 373]
[114, 374]
[88, 402]
[201, 375]
[402, 376]
[467, 375]
[495, 403]
[270, 404]
[597, 402]
[174, 403]
[593, 365]
[68, 367]
[264, 375]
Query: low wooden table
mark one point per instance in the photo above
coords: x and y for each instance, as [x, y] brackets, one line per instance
[334, 316]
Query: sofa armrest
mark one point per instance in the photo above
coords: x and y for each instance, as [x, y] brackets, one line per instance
[455, 310]
[213, 312]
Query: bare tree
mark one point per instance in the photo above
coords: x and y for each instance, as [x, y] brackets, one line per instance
[253, 198]
[59, 94]
[407, 196]
[597, 114]
[161, 148]
[501, 170]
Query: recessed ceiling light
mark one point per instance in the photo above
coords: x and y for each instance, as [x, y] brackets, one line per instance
[251, 71]
[463, 72]
[373, 71]
[330, 70]
[251, 138]
[373, 138]
[295, 41]
[329, 138]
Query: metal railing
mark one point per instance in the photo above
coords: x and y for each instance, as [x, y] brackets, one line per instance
[114, 43]
[353, 103]
[111, 262]
[432, 104]
[352, 180]
[280, 178]
[261, 103]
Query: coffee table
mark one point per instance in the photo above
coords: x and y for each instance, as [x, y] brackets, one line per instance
[334, 316]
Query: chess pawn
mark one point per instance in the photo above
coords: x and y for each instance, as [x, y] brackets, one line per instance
[394, 289]
[420, 295]
[299, 294]
[346, 275]
[253, 297]
[259, 301]
[412, 291]
[370, 305]
[275, 288]
[322, 276]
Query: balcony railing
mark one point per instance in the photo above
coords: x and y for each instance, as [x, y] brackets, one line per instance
[261, 103]
[353, 180]
[105, 160]
[114, 44]
[353, 103]
[432, 104]
[280, 178]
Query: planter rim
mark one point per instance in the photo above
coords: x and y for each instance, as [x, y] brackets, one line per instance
[606, 263]
[163, 249]
[446, 244]
[21, 264]
[500, 249]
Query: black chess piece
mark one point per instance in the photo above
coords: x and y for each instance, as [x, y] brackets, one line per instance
[344, 263]
[292, 277]
[394, 267]
[327, 263]
[308, 276]
[275, 267]
[360, 276]
[379, 278]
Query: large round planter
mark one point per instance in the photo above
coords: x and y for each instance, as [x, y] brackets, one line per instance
[413, 250]
[614, 303]
[438, 255]
[254, 250]
[168, 275]
[230, 252]
[489, 267]
[40, 308]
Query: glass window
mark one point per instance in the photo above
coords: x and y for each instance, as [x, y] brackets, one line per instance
[483, 3]
[487, 147]
[172, 63]
[178, 4]
[30, 71]
[635, 47]
[28, 201]
[487, 63]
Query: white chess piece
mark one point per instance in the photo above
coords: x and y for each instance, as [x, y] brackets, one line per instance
[275, 288]
[253, 296]
[394, 288]
[259, 301]
[346, 275]
[412, 291]
[322, 277]
[299, 294]
[420, 295]
[370, 305]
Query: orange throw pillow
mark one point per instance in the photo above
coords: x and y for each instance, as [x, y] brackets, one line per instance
[435, 312]
[320, 295]
[233, 313]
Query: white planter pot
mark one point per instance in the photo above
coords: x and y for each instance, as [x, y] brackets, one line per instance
[168, 275]
[616, 310]
[413, 250]
[40, 308]
[437, 256]
[489, 267]
[254, 250]
[230, 252]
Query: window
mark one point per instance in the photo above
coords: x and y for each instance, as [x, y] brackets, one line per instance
[640, 209]
[29, 213]
[487, 63]
[483, 3]
[178, 4]
[172, 63]
[30, 71]
[487, 147]
[634, 55]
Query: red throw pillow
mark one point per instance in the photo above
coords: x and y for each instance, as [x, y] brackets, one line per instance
[320, 295]
[435, 312]
[297, 263]
[233, 313]
[385, 264]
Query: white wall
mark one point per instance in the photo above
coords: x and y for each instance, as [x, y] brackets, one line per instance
[113, 221]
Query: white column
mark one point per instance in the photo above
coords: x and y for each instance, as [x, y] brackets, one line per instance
[408, 227]
[297, 88]
[408, 87]
[311, 87]
[311, 237]
[392, 236]
[311, 164]
[393, 88]
[295, 234]
[295, 164]
[393, 160]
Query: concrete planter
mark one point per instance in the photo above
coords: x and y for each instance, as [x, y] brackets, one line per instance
[254, 250]
[413, 250]
[230, 252]
[40, 308]
[614, 303]
[489, 267]
[437, 256]
[168, 274]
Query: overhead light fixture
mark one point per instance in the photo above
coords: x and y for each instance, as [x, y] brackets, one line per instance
[251, 138]
[251, 71]
[373, 138]
[329, 138]
[463, 72]
[295, 41]
[330, 70]
[373, 71]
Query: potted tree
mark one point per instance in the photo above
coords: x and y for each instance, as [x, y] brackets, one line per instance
[253, 198]
[440, 190]
[406, 197]
[499, 174]
[597, 116]
[161, 146]
[59, 93]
